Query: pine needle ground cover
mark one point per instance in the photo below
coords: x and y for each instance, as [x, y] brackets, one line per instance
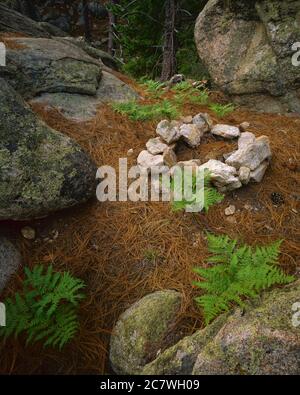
[107, 245]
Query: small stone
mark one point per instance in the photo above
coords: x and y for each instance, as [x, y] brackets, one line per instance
[130, 152]
[204, 121]
[244, 126]
[251, 155]
[187, 119]
[230, 210]
[191, 134]
[28, 233]
[221, 174]
[168, 131]
[244, 175]
[155, 146]
[226, 131]
[150, 162]
[169, 157]
[246, 139]
[258, 174]
[231, 220]
[177, 79]
[292, 164]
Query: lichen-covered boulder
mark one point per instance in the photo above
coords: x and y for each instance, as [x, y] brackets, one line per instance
[140, 331]
[262, 340]
[13, 22]
[180, 358]
[41, 170]
[39, 65]
[247, 48]
[10, 260]
[78, 107]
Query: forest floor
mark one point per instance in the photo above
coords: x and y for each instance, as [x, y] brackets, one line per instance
[124, 251]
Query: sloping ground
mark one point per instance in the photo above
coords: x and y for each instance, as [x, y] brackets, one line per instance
[124, 251]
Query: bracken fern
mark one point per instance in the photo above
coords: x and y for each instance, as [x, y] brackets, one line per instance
[240, 273]
[46, 308]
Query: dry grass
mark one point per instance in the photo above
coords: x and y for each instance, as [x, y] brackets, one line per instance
[106, 244]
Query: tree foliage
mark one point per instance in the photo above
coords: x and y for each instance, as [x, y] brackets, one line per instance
[140, 33]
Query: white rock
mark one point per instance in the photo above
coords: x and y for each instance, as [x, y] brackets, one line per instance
[156, 146]
[251, 155]
[244, 175]
[149, 161]
[258, 174]
[226, 131]
[194, 163]
[244, 126]
[222, 175]
[230, 210]
[169, 157]
[187, 119]
[130, 152]
[168, 131]
[246, 139]
[191, 134]
[204, 121]
[177, 79]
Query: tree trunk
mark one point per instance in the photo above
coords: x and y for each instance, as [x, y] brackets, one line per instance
[169, 50]
[111, 31]
[87, 20]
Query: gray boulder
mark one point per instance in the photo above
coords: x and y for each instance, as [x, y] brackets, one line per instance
[13, 22]
[94, 52]
[47, 65]
[10, 260]
[140, 331]
[261, 341]
[252, 42]
[41, 170]
[264, 339]
[84, 107]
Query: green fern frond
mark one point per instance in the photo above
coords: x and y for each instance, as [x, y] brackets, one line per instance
[46, 310]
[241, 273]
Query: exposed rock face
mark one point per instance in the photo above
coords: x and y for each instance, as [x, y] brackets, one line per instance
[264, 339]
[10, 260]
[14, 22]
[141, 329]
[247, 48]
[96, 53]
[46, 65]
[41, 170]
[81, 108]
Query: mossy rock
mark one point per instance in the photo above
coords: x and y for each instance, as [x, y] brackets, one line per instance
[10, 260]
[41, 170]
[140, 330]
[262, 340]
[47, 65]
